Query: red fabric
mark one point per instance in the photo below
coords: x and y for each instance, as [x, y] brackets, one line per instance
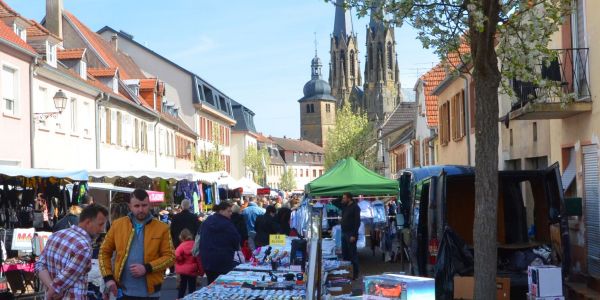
[185, 262]
[246, 250]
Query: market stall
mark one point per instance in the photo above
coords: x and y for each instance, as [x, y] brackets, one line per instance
[167, 186]
[31, 200]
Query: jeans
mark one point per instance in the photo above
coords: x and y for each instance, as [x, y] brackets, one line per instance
[350, 253]
[251, 242]
[186, 281]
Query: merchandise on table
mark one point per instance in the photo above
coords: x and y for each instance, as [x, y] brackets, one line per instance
[216, 291]
[398, 287]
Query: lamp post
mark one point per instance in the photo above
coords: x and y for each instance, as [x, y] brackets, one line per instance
[60, 103]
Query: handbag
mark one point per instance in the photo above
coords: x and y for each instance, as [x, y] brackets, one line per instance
[38, 219]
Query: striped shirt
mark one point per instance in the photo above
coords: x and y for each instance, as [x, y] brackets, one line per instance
[68, 258]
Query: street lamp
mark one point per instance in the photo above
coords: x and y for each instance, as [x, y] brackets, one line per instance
[60, 103]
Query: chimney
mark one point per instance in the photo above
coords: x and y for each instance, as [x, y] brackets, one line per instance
[114, 41]
[54, 10]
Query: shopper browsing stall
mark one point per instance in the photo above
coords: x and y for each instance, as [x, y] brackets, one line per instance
[142, 250]
[66, 260]
[350, 225]
[266, 225]
[187, 266]
[219, 240]
[184, 220]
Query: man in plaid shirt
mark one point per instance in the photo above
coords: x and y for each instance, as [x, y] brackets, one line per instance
[67, 256]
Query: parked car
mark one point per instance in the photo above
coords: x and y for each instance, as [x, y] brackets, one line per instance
[436, 198]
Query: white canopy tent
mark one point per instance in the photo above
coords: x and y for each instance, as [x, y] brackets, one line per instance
[248, 186]
[77, 175]
[155, 173]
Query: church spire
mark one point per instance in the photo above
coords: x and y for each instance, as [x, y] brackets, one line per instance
[342, 27]
[376, 22]
[316, 63]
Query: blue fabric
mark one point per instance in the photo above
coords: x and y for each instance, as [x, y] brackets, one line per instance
[219, 241]
[136, 286]
[209, 196]
[250, 214]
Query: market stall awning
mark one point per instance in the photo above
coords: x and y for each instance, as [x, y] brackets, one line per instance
[348, 175]
[156, 173]
[248, 186]
[211, 177]
[78, 175]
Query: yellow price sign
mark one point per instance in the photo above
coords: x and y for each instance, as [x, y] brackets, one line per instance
[277, 239]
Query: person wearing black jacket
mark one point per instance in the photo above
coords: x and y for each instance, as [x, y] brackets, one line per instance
[265, 225]
[350, 225]
[185, 219]
[240, 224]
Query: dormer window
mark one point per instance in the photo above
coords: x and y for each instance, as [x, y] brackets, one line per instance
[20, 31]
[51, 54]
[115, 84]
[83, 69]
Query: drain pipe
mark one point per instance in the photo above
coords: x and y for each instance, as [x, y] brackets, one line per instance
[467, 117]
[100, 99]
[32, 69]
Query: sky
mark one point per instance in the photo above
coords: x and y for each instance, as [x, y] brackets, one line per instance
[256, 52]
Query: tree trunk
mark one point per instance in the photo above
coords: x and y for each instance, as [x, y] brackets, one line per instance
[487, 80]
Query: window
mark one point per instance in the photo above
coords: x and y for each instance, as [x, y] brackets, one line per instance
[371, 62]
[143, 136]
[306, 172]
[85, 122]
[458, 116]
[426, 152]
[20, 31]
[308, 108]
[390, 57]
[42, 98]
[295, 157]
[328, 107]
[444, 125]
[150, 134]
[10, 91]
[314, 173]
[535, 132]
[416, 153]
[320, 172]
[208, 95]
[51, 54]
[352, 65]
[510, 132]
[73, 108]
[83, 69]
[119, 129]
[136, 130]
[222, 104]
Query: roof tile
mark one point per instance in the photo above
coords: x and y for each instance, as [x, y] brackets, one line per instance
[148, 84]
[297, 145]
[9, 35]
[102, 72]
[36, 29]
[431, 80]
[73, 53]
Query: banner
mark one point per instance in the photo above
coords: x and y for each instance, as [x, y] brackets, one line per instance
[156, 196]
[22, 239]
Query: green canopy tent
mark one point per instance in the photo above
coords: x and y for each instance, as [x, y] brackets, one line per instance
[348, 175]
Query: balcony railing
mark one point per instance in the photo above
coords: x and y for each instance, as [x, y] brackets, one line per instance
[569, 73]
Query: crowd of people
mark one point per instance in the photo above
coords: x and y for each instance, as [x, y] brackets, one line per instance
[139, 247]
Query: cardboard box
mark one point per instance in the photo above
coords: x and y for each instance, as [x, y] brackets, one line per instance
[398, 287]
[545, 281]
[464, 287]
[531, 297]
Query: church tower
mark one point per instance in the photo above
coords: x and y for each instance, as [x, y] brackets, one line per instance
[382, 76]
[317, 107]
[344, 67]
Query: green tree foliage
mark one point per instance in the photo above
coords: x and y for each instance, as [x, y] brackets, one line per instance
[352, 136]
[257, 162]
[504, 40]
[287, 182]
[209, 160]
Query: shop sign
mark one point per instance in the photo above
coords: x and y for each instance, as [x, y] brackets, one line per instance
[263, 191]
[156, 196]
[277, 240]
[22, 239]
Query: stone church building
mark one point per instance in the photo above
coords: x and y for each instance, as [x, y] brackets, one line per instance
[378, 96]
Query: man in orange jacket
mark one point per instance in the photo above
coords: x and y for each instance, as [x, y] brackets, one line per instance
[143, 250]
